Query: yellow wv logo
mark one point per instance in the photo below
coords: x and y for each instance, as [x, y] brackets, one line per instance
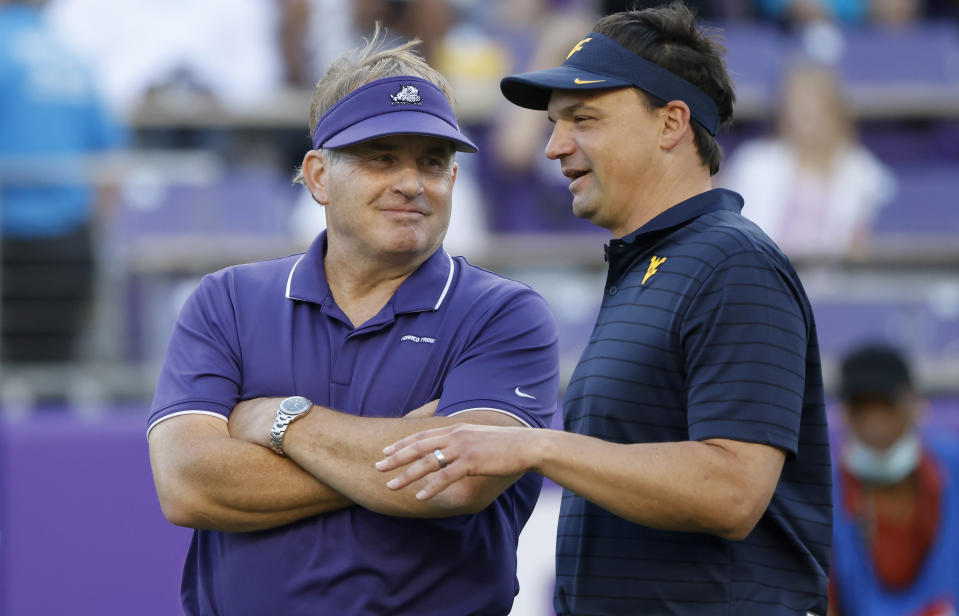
[654, 264]
[578, 46]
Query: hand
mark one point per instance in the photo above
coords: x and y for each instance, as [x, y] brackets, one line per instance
[470, 450]
[251, 420]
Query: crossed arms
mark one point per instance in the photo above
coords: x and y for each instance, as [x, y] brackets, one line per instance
[219, 476]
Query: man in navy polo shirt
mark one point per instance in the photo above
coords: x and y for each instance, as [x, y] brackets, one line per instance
[285, 379]
[696, 463]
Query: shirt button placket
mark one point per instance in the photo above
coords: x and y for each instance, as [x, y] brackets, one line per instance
[345, 363]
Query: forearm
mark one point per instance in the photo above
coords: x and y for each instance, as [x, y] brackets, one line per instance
[340, 450]
[684, 486]
[212, 481]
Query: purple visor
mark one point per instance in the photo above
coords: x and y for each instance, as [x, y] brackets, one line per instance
[403, 105]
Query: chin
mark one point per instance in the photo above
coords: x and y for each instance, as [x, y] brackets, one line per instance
[407, 241]
[584, 209]
[404, 248]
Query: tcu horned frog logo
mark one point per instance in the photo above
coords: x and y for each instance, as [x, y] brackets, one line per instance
[407, 95]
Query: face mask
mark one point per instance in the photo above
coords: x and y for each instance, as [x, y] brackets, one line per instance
[883, 467]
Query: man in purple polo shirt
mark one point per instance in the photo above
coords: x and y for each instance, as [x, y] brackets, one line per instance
[285, 379]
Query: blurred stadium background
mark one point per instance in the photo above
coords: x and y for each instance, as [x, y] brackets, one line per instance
[212, 97]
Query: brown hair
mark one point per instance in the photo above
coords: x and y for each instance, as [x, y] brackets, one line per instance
[670, 37]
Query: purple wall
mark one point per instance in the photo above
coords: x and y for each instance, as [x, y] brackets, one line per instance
[81, 531]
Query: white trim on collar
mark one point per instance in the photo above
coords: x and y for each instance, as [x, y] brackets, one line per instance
[290, 278]
[439, 302]
[449, 281]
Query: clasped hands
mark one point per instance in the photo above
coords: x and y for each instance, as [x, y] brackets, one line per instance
[469, 450]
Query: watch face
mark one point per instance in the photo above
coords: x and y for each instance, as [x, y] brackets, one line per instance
[295, 405]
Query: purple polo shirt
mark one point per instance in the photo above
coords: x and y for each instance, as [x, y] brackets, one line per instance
[451, 331]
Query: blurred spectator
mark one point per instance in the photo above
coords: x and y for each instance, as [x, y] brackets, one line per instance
[799, 13]
[173, 50]
[314, 33]
[813, 188]
[709, 10]
[426, 20]
[294, 32]
[895, 12]
[526, 191]
[896, 528]
[49, 112]
[430, 21]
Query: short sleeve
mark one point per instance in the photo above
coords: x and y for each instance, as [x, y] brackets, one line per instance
[202, 368]
[744, 339]
[510, 365]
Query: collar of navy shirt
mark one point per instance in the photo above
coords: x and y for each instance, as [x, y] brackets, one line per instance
[619, 251]
[681, 213]
[424, 289]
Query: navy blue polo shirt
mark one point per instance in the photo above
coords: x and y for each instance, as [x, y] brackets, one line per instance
[704, 332]
[451, 331]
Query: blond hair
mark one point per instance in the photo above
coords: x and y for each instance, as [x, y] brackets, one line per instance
[360, 66]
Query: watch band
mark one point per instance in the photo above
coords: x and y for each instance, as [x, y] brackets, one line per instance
[299, 406]
[278, 431]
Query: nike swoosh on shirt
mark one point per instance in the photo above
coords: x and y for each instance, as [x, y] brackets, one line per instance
[580, 82]
[519, 393]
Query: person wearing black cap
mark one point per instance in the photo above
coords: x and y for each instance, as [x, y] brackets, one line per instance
[284, 380]
[695, 459]
[896, 496]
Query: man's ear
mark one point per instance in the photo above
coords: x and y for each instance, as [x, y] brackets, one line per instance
[676, 124]
[316, 169]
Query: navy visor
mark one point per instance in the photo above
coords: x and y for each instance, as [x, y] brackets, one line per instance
[600, 63]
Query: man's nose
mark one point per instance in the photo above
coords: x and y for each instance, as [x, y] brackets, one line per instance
[559, 144]
[407, 181]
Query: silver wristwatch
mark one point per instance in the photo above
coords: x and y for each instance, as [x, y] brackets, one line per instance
[290, 410]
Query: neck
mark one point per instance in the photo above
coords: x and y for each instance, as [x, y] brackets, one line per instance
[362, 284]
[674, 186]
